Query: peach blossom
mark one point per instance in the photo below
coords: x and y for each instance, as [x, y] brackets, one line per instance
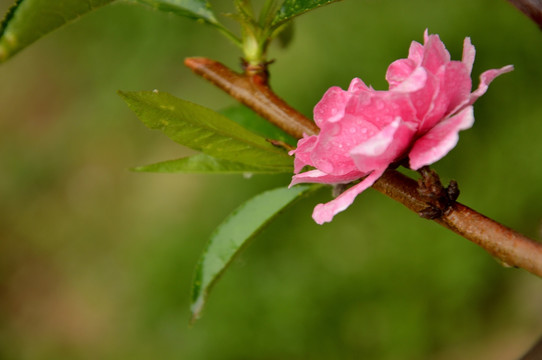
[363, 131]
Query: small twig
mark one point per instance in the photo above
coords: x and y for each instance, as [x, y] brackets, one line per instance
[440, 199]
[535, 353]
[510, 247]
[531, 8]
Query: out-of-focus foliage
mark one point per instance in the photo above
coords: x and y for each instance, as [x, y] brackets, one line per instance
[29, 20]
[96, 261]
[195, 9]
[292, 8]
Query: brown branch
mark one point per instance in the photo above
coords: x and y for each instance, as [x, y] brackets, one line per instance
[535, 353]
[531, 8]
[510, 247]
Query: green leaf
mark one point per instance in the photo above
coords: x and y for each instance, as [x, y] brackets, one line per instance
[293, 8]
[202, 163]
[251, 121]
[233, 235]
[194, 9]
[204, 130]
[28, 20]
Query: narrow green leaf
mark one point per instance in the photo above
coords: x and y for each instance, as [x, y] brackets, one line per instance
[293, 8]
[251, 121]
[202, 163]
[267, 13]
[199, 10]
[204, 130]
[28, 20]
[233, 235]
[194, 9]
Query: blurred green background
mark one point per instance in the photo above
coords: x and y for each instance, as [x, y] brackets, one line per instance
[96, 261]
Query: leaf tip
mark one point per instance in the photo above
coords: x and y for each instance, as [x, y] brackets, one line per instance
[138, 169]
[129, 97]
[196, 309]
[122, 94]
[8, 42]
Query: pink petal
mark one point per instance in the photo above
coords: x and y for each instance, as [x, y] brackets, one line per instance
[366, 114]
[485, 79]
[423, 98]
[435, 55]
[383, 148]
[468, 54]
[452, 94]
[331, 107]
[414, 82]
[456, 84]
[398, 71]
[415, 52]
[320, 177]
[379, 108]
[440, 139]
[303, 152]
[324, 212]
[331, 152]
[357, 85]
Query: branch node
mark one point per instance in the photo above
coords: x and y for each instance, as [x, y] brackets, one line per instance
[259, 74]
[440, 200]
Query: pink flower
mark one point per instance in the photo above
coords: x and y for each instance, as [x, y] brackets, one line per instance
[363, 131]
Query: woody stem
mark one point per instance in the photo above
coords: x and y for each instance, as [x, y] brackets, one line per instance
[253, 91]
